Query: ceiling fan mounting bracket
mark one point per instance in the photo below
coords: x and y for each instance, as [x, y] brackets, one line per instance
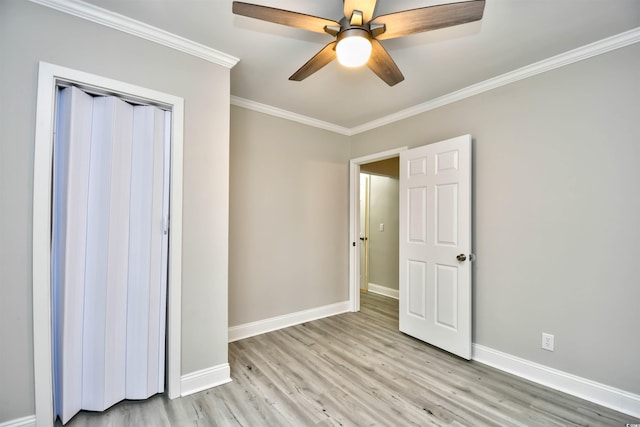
[356, 19]
[332, 29]
[377, 29]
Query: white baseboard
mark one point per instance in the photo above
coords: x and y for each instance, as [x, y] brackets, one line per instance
[611, 397]
[204, 379]
[383, 290]
[29, 421]
[189, 384]
[274, 323]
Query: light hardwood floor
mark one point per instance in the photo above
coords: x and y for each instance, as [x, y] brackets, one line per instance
[356, 369]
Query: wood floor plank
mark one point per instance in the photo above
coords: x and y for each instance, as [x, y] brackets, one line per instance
[357, 369]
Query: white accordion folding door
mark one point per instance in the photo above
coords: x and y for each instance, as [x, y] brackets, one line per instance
[110, 201]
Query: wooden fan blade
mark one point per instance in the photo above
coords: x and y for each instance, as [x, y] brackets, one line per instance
[365, 6]
[283, 17]
[429, 18]
[322, 58]
[382, 64]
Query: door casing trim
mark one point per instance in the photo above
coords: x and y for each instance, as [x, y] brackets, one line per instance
[49, 77]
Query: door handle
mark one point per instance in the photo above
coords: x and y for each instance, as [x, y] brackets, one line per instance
[364, 238]
[463, 257]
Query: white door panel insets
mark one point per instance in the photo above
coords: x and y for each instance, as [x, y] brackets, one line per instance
[435, 226]
[446, 161]
[417, 288]
[446, 287]
[446, 226]
[417, 215]
[418, 166]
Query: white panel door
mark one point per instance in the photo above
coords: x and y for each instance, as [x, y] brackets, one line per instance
[435, 244]
[364, 231]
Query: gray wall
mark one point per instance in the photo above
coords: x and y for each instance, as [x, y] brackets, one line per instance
[556, 208]
[30, 33]
[384, 245]
[289, 229]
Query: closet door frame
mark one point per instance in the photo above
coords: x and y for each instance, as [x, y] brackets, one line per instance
[50, 77]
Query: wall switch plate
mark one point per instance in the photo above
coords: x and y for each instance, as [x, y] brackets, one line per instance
[381, 227]
[547, 341]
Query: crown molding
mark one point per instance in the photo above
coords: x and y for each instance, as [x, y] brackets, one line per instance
[284, 114]
[139, 29]
[584, 52]
[131, 26]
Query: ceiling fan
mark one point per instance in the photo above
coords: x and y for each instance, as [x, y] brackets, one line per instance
[358, 34]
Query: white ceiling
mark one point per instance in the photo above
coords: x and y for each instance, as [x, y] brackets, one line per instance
[512, 34]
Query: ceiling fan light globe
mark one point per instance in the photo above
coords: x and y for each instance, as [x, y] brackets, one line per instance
[353, 51]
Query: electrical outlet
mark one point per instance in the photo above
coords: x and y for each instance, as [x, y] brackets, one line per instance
[547, 341]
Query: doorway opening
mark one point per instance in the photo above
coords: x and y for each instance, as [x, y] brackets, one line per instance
[379, 227]
[357, 166]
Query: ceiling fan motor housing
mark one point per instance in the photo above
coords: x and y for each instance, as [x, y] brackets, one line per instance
[354, 32]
